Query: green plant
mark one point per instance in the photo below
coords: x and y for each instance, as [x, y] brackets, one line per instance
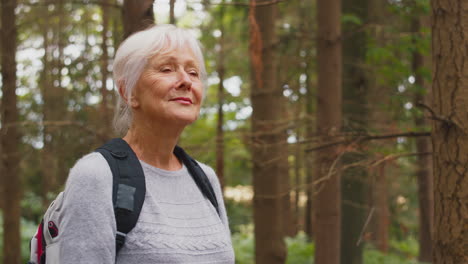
[243, 243]
[300, 250]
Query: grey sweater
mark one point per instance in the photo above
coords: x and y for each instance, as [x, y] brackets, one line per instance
[177, 223]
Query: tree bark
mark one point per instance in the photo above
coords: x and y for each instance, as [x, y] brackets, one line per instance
[270, 164]
[48, 170]
[54, 106]
[382, 214]
[327, 202]
[106, 97]
[379, 119]
[137, 15]
[424, 162]
[310, 102]
[450, 130]
[172, 19]
[10, 137]
[220, 121]
[355, 183]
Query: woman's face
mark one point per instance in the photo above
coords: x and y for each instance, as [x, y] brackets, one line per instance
[169, 89]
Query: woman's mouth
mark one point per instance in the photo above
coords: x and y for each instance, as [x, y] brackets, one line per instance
[182, 100]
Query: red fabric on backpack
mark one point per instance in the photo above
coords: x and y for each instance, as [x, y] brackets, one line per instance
[40, 239]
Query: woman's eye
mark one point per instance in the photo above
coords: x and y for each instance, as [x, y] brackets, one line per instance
[166, 69]
[193, 73]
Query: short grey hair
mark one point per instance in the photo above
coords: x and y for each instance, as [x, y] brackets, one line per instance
[132, 57]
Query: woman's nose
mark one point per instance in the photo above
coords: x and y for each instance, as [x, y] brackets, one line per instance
[184, 80]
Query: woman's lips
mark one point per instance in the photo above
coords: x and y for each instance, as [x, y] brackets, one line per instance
[182, 100]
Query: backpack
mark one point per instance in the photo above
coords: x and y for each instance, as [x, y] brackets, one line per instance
[128, 194]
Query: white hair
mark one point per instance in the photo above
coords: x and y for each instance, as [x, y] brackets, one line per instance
[132, 57]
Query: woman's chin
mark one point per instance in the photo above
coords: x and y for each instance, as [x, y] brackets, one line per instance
[185, 119]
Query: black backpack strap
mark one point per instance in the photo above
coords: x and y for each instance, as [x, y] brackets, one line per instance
[198, 176]
[128, 188]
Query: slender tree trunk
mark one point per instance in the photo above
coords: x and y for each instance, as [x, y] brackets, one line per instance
[355, 114]
[382, 212]
[450, 130]
[424, 162]
[137, 15]
[53, 108]
[297, 177]
[220, 121]
[270, 165]
[306, 29]
[10, 137]
[327, 203]
[172, 19]
[379, 18]
[105, 95]
[48, 179]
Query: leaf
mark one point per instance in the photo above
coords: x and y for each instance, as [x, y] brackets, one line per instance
[350, 18]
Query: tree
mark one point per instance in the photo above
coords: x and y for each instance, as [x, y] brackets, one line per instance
[270, 164]
[450, 130]
[423, 146]
[355, 116]
[379, 120]
[137, 15]
[327, 203]
[10, 137]
[172, 19]
[106, 97]
[220, 121]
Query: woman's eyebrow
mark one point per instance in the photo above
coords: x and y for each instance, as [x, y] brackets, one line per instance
[172, 59]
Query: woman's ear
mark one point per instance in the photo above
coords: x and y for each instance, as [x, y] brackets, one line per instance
[133, 102]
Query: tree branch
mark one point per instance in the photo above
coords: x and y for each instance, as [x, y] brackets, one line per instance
[360, 139]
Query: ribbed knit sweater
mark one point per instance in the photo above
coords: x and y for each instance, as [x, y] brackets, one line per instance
[177, 224]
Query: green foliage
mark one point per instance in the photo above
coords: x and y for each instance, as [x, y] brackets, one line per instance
[300, 250]
[407, 247]
[243, 243]
[27, 229]
[351, 19]
[401, 252]
[240, 214]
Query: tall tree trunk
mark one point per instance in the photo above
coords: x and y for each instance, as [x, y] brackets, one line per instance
[355, 89]
[327, 203]
[53, 108]
[424, 161]
[48, 179]
[380, 119]
[306, 29]
[450, 130]
[105, 95]
[270, 165]
[220, 121]
[380, 194]
[298, 157]
[10, 137]
[172, 19]
[137, 15]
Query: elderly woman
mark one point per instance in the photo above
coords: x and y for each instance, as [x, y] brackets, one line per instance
[160, 76]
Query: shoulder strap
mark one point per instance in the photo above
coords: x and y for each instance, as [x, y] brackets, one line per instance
[198, 176]
[128, 189]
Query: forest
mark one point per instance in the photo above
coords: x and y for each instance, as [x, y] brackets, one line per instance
[338, 129]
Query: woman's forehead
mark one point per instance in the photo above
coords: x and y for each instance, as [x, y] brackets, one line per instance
[184, 55]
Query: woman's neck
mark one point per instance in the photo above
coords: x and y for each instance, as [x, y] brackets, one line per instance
[155, 145]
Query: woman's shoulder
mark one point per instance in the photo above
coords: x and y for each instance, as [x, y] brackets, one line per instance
[208, 170]
[91, 167]
[210, 173]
